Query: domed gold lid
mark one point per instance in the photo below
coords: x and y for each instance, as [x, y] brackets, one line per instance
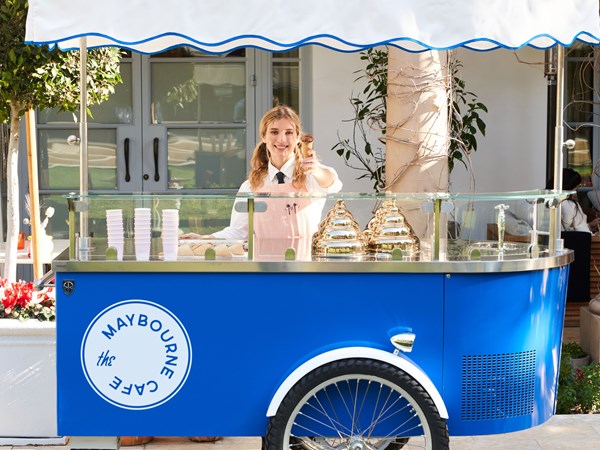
[339, 234]
[389, 230]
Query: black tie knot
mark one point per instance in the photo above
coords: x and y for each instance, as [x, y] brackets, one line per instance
[280, 176]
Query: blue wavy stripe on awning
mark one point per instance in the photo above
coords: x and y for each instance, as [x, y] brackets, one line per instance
[161, 43]
[344, 25]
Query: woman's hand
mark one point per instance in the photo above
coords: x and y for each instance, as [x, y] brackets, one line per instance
[311, 166]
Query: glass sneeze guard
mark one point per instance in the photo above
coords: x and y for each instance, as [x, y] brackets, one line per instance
[445, 226]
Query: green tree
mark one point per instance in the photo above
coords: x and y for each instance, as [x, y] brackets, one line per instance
[38, 77]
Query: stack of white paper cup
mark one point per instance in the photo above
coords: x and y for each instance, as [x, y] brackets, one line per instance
[142, 233]
[170, 233]
[114, 230]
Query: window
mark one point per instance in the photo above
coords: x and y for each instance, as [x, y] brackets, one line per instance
[181, 121]
[581, 109]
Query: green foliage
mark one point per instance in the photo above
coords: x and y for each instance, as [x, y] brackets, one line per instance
[369, 114]
[463, 126]
[370, 110]
[573, 350]
[33, 76]
[578, 388]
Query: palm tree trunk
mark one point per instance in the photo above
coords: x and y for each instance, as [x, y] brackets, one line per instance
[417, 127]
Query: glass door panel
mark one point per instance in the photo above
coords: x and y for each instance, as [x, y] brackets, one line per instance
[198, 92]
[196, 122]
[206, 158]
[59, 161]
[286, 79]
[181, 120]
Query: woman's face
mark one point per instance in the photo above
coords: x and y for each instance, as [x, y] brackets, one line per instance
[281, 138]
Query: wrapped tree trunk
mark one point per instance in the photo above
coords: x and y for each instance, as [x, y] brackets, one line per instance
[12, 196]
[417, 126]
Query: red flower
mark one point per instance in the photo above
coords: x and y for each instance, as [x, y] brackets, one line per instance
[19, 295]
[19, 300]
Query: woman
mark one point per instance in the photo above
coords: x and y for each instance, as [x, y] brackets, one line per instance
[572, 216]
[282, 164]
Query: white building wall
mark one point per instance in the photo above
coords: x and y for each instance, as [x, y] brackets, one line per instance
[510, 157]
[333, 85]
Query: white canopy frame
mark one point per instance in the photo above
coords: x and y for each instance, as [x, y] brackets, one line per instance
[343, 25]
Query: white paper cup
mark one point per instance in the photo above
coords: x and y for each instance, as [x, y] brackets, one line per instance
[169, 249]
[142, 250]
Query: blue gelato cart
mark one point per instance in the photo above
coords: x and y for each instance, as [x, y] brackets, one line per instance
[383, 345]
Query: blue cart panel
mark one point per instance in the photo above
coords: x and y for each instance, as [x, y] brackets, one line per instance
[246, 332]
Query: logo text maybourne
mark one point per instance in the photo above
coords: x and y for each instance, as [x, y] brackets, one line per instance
[136, 354]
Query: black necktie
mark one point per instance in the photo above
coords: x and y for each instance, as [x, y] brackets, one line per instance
[280, 176]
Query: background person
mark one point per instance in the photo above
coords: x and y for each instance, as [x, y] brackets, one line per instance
[572, 216]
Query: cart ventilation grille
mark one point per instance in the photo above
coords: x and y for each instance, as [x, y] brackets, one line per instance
[498, 386]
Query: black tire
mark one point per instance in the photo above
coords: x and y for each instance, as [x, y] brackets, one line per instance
[357, 404]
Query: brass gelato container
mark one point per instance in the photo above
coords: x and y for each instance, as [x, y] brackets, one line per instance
[339, 235]
[388, 230]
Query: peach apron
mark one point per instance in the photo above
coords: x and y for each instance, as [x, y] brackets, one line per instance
[285, 224]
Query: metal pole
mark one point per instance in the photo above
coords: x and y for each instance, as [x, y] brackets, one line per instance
[550, 74]
[437, 209]
[84, 245]
[558, 146]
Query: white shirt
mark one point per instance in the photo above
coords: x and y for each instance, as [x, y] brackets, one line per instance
[572, 217]
[238, 225]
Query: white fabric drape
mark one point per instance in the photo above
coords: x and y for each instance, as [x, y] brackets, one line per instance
[217, 26]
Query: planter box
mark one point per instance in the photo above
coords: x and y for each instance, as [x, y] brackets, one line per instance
[28, 382]
[589, 329]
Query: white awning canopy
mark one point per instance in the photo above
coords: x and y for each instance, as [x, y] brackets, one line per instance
[218, 26]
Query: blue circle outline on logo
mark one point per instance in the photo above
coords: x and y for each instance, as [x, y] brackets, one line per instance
[131, 302]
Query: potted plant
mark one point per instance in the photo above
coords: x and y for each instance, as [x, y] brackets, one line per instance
[578, 357]
[578, 387]
[28, 370]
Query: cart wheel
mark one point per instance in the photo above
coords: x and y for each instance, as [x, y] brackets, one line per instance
[357, 404]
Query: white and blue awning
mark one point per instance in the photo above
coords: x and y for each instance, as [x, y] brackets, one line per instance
[220, 26]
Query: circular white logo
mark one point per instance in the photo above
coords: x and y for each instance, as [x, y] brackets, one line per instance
[136, 354]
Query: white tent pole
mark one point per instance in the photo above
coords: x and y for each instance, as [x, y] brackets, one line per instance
[84, 244]
[558, 142]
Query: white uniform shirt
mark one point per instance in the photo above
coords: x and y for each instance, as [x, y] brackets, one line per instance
[238, 225]
[572, 217]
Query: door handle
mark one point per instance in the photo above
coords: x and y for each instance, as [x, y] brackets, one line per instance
[156, 175]
[126, 154]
